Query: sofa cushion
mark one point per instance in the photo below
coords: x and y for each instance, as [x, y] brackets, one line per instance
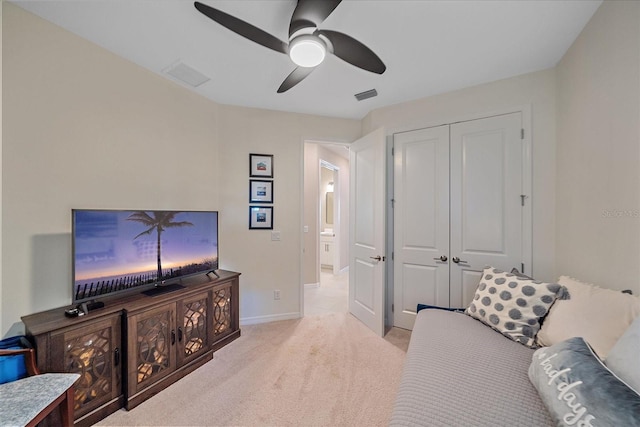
[458, 372]
[578, 389]
[624, 357]
[512, 305]
[598, 315]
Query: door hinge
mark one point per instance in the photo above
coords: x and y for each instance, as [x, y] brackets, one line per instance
[522, 133]
[393, 256]
[522, 268]
[393, 203]
[392, 308]
[522, 197]
[393, 151]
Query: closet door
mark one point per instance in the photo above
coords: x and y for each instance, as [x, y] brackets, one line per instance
[486, 203]
[421, 221]
[458, 208]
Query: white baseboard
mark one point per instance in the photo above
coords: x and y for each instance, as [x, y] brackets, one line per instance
[269, 318]
[344, 270]
[312, 285]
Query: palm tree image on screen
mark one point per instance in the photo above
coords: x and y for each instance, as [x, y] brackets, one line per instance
[158, 221]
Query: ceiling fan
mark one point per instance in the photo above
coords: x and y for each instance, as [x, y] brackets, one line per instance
[308, 45]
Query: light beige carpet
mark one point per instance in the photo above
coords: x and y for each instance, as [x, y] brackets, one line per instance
[327, 370]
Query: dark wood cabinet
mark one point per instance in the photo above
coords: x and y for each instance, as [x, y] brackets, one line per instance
[93, 350]
[136, 345]
[193, 331]
[223, 322]
[165, 339]
[151, 354]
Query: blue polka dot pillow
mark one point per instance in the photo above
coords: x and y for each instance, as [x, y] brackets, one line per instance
[512, 305]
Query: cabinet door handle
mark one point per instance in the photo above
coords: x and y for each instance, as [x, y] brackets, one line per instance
[180, 334]
[116, 357]
[173, 337]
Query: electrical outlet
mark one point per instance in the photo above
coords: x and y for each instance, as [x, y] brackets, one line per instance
[275, 236]
[276, 294]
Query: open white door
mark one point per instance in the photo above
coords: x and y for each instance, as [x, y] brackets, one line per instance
[367, 230]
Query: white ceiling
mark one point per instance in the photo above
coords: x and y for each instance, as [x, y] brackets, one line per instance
[429, 47]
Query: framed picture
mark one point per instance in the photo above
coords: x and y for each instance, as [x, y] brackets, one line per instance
[260, 191]
[260, 217]
[261, 165]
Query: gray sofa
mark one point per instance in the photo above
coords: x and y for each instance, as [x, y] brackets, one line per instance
[460, 372]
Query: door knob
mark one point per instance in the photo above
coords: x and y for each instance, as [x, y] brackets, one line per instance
[377, 258]
[458, 260]
[442, 258]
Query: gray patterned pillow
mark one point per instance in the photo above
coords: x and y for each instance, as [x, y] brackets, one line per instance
[512, 305]
[579, 390]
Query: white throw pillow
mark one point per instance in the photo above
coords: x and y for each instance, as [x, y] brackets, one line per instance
[512, 305]
[624, 357]
[598, 315]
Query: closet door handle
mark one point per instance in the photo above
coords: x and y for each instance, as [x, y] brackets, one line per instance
[458, 260]
[442, 258]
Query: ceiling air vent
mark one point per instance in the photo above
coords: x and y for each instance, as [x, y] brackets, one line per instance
[186, 74]
[366, 94]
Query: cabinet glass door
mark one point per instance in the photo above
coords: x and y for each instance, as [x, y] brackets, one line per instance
[192, 334]
[155, 337]
[221, 315]
[94, 352]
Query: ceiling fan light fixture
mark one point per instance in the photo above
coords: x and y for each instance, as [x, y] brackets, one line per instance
[307, 50]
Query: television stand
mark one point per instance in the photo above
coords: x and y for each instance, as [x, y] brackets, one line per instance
[164, 289]
[135, 346]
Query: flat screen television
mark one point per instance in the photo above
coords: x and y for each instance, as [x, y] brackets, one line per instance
[116, 251]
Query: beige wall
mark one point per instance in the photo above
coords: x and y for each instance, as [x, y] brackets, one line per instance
[310, 274]
[536, 90]
[326, 177]
[267, 265]
[598, 182]
[86, 129]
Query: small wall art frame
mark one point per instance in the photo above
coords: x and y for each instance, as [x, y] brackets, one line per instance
[260, 217]
[261, 165]
[260, 191]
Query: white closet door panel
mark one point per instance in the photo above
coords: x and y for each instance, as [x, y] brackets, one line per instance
[463, 295]
[421, 221]
[482, 207]
[423, 289]
[486, 211]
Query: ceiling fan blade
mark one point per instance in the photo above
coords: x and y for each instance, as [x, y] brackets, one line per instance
[243, 28]
[311, 13]
[352, 51]
[296, 76]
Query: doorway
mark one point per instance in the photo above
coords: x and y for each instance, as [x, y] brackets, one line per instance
[325, 266]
